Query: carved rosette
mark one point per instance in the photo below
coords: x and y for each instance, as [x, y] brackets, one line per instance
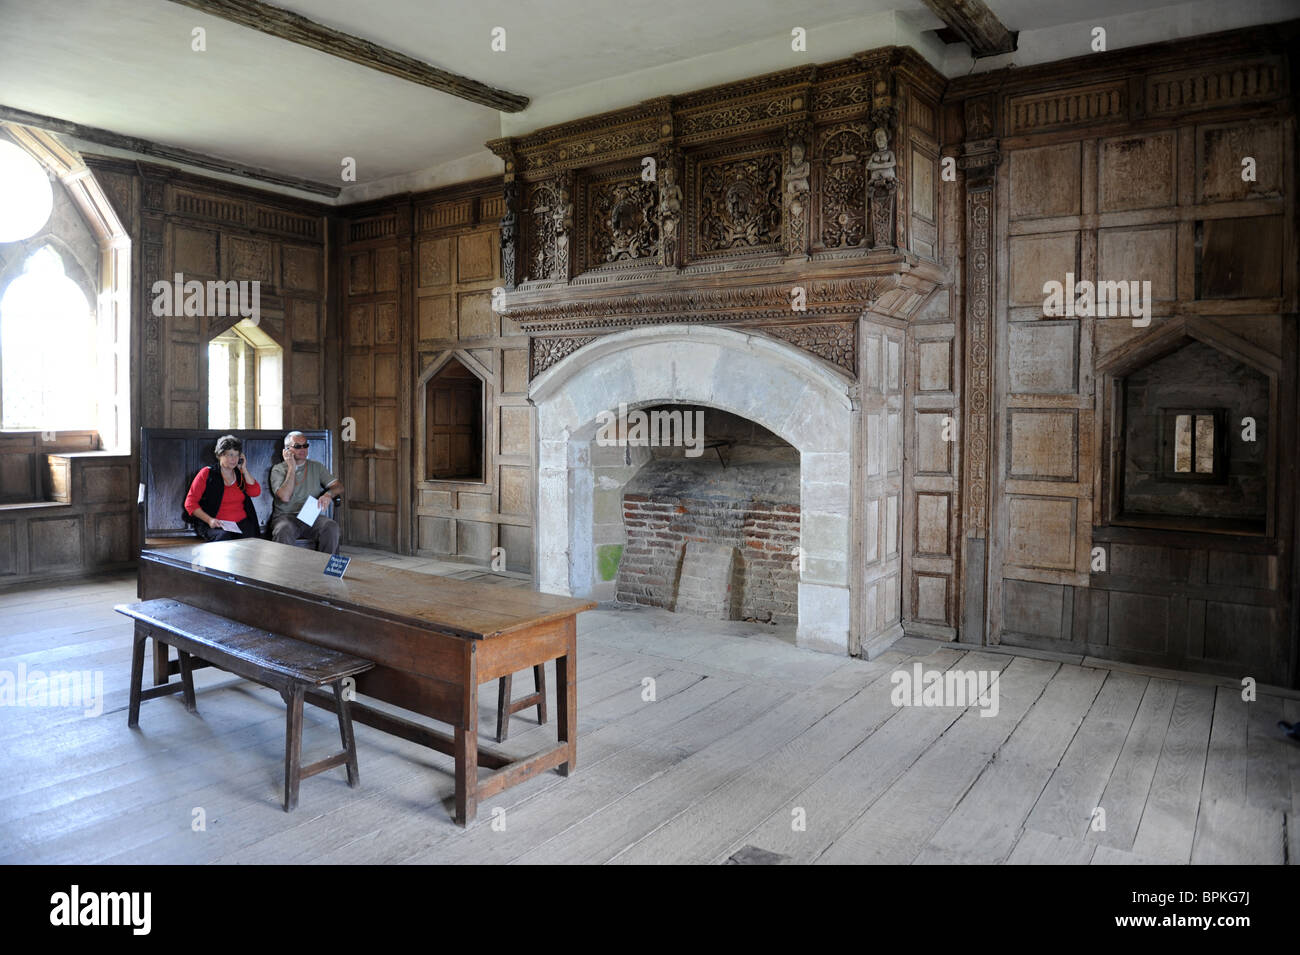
[841, 162]
[739, 204]
[796, 179]
[670, 207]
[545, 352]
[835, 342]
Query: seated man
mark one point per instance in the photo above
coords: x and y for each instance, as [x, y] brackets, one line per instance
[294, 480]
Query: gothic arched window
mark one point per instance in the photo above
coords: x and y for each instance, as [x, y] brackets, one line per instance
[47, 349]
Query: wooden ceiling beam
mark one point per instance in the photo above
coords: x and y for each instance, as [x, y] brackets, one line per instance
[975, 25]
[299, 29]
[145, 147]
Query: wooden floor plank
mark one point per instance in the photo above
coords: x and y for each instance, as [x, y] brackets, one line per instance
[1126, 791]
[1225, 762]
[1067, 806]
[1169, 817]
[1040, 848]
[908, 815]
[1232, 833]
[709, 827]
[834, 800]
[1267, 783]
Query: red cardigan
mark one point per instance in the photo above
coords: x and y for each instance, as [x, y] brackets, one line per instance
[232, 500]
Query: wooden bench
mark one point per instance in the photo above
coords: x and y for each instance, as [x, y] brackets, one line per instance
[290, 666]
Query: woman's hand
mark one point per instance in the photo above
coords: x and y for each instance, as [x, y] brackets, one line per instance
[213, 522]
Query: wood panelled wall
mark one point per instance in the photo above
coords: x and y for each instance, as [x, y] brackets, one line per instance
[1131, 169]
[419, 274]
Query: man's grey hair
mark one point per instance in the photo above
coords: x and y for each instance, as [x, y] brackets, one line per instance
[288, 438]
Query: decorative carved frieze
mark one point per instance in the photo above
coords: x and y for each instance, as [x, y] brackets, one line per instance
[738, 204]
[545, 352]
[757, 301]
[836, 342]
[1217, 86]
[1061, 108]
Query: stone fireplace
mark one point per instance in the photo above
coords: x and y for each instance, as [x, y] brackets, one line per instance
[760, 250]
[794, 396]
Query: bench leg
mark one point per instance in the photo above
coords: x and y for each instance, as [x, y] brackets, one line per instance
[137, 675]
[505, 688]
[345, 731]
[539, 684]
[292, 746]
[187, 681]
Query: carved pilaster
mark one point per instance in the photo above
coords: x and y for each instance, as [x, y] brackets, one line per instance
[979, 159]
[796, 178]
[510, 238]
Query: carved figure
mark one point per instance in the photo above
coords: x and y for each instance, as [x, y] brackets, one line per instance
[881, 165]
[796, 174]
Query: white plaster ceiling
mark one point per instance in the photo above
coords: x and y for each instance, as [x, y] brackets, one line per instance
[128, 66]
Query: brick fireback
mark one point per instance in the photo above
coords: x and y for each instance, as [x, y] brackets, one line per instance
[765, 535]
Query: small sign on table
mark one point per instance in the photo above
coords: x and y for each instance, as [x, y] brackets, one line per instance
[336, 565]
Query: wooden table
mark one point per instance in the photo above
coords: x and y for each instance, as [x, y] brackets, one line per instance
[433, 641]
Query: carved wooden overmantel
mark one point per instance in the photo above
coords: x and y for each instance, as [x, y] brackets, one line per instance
[793, 203]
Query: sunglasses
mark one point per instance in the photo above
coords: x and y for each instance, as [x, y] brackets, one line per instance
[299, 446]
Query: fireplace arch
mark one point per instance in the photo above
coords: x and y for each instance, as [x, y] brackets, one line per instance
[803, 400]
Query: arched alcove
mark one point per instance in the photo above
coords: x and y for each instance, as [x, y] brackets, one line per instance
[803, 401]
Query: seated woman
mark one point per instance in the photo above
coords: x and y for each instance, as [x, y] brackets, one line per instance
[222, 497]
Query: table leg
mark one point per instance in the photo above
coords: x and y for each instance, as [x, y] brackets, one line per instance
[292, 745]
[566, 697]
[467, 744]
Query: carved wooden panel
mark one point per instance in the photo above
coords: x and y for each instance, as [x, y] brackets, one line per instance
[1038, 259]
[477, 320]
[1220, 85]
[360, 273]
[516, 491]
[1220, 153]
[932, 531]
[1045, 181]
[304, 320]
[932, 597]
[301, 268]
[935, 366]
[543, 217]
[514, 370]
[194, 252]
[385, 270]
[358, 323]
[476, 256]
[620, 216]
[53, 544]
[249, 260]
[516, 430]
[736, 195]
[1043, 357]
[836, 342]
[1136, 172]
[1136, 255]
[1041, 532]
[434, 262]
[1042, 445]
[435, 319]
[385, 323]
[840, 210]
